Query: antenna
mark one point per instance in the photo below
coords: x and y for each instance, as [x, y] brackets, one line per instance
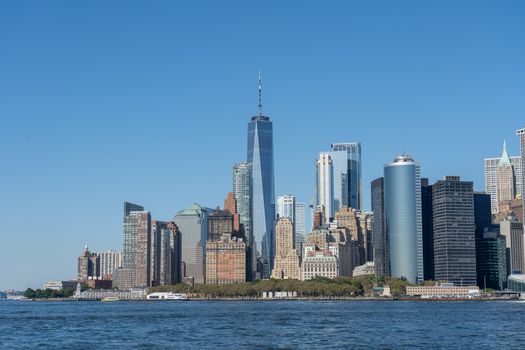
[260, 94]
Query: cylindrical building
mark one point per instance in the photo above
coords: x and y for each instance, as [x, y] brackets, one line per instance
[403, 218]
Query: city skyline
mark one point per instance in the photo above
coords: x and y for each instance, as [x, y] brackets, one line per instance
[71, 152]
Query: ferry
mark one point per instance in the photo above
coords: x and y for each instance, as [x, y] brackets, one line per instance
[107, 299]
[167, 296]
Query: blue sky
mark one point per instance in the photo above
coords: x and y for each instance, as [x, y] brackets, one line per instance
[107, 101]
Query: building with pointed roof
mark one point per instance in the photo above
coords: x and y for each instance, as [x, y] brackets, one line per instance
[505, 184]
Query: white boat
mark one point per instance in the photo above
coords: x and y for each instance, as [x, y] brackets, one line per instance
[167, 296]
[106, 299]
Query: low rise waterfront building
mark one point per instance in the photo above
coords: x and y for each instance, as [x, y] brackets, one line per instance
[444, 290]
[516, 283]
[319, 263]
[59, 285]
[99, 294]
[364, 270]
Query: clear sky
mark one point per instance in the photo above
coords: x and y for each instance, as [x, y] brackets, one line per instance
[103, 102]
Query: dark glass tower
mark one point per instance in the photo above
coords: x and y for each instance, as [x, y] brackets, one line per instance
[260, 154]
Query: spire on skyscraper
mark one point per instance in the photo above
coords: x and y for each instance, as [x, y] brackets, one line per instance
[504, 160]
[260, 94]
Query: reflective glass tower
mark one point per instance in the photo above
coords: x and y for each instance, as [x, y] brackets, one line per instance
[346, 159]
[260, 154]
[402, 183]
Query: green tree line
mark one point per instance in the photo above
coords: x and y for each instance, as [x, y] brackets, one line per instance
[47, 293]
[341, 287]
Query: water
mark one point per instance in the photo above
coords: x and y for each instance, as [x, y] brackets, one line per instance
[262, 325]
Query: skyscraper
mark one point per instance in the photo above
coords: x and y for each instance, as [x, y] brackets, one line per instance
[381, 259]
[402, 186]
[513, 232]
[521, 134]
[109, 261]
[505, 184]
[286, 207]
[428, 230]
[243, 192]
[165, 253]
[346, 159]
[136, 253]
[193, 225]
[491, 180]
[286, 265]
[454, 231]
[300, 224]
[260, 154]
[325, 186]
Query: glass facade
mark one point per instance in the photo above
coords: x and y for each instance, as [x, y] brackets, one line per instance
[346, 158]
[260, 154]
[381, 260]
[193, 226]
[454, 231]
[403, 218]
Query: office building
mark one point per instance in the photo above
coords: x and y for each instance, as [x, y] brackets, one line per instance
[346, 161]
[109, 261]
[325, 186]
[491, 261]
[220, 224]
[491, 166]
[230, 204]
[381, 258]
[427, 230]
[286, 265]
[165, 253]
[88, 265]
[402, 191]
[300, 224]
[225, 261]
[192, 223]
[260, 154]
[512, 230]
[521, 176]
[136, 252]
[319, 263]
[243, 192]
[454, 231]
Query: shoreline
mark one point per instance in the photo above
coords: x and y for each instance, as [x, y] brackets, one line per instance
[240, 299]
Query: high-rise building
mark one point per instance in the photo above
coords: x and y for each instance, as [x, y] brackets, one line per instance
[402, 191]
[346, 160]
[220, 224]
[325, 186]
[136, 252]
[381, 259]
[356, 222]
[505, 183]
[491, 262]
[260, 154]
[165, 253]
[300, 224]
[193, 226]
[225, 261]
[286, 265]
[230, 204]
[109, 261]
[428, 230]
[88, 265]
[512, 230]
[243, 191]
[286, 207]
[336, 242]
[521, 134]
[454, 231]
